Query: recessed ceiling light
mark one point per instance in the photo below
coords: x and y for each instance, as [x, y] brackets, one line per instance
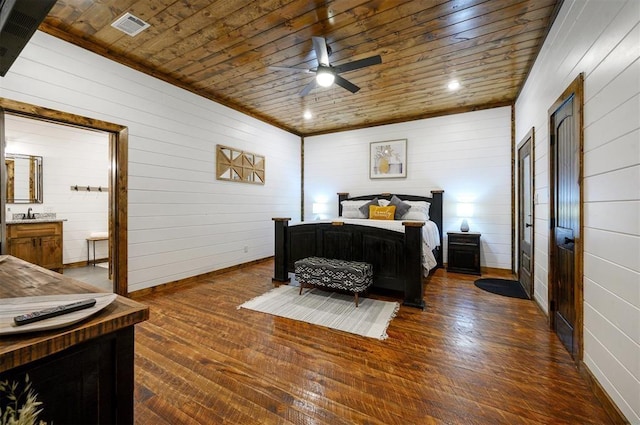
[454, 85]
[307, 115]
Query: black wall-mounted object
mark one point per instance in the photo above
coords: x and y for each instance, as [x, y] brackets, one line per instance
[19, 20]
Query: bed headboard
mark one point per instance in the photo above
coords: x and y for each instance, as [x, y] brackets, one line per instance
[435, 209]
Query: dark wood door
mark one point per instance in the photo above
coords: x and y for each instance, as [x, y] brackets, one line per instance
[565, 139]
[525, 213]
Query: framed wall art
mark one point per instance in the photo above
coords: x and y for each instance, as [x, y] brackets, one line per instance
[388, 159]
[239, 166]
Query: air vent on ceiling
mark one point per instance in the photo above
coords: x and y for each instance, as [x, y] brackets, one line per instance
[130, 25]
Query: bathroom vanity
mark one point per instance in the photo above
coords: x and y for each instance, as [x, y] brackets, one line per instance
[38, 241]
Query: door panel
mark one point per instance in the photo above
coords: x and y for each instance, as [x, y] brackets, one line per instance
[564, 218]
[25, 248]
[565, 276]
[50, 251]
[525, 213]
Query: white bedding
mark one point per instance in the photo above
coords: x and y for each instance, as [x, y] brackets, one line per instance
[430, 234]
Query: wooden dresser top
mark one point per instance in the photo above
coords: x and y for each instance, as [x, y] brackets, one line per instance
[19, 278]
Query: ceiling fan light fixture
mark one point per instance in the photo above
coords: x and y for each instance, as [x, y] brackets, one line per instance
[325, 78]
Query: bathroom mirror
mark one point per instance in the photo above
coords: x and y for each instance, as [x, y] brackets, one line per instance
[24, 179]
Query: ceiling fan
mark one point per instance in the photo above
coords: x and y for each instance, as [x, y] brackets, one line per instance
[327, 74]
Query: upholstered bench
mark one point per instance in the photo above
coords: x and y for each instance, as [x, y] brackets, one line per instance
[352, 276]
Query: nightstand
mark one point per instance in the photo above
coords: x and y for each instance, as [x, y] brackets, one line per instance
[463, 251]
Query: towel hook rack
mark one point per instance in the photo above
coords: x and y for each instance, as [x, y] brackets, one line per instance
[77, 188]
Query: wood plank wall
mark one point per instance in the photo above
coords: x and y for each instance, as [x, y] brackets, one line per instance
[468, 155]
[599, 39]
[182, 221]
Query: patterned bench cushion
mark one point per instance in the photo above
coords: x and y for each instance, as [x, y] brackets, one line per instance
[351, 276]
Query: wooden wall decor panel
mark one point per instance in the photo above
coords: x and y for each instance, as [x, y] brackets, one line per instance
[239, 166]
[223, 50]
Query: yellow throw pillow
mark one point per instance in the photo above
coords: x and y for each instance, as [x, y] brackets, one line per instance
[382, 213]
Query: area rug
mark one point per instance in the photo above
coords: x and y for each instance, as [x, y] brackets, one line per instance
[505, 287]
[330, 309]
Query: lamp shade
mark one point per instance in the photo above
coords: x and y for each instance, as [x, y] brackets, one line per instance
[325, 78]
[465, 209]
[319, 208]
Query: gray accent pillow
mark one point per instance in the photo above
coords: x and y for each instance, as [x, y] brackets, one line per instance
[401, 207]
[365, 208]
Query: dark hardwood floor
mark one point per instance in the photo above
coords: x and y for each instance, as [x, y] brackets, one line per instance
[470, 357]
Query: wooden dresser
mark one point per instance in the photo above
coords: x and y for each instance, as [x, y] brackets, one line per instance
[82, 373]
[38, 242]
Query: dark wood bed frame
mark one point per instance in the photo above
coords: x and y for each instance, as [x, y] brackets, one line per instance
[396, 256]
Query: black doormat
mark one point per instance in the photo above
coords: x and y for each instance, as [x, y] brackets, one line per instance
[506, 287]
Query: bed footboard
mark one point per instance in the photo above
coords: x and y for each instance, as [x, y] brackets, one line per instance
[280, 269]
[396, 257]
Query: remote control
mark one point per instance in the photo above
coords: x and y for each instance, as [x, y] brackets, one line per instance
[23, 319]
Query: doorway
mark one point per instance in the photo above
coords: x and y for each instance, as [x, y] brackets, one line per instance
[565, 237]
[526, 212]
[118, 142]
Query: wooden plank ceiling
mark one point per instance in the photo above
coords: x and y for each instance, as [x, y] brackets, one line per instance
[223, 50]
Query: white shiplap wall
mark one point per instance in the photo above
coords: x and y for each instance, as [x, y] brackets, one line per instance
[601, 40]
[70, 156]
[182, 221]
[468, 155]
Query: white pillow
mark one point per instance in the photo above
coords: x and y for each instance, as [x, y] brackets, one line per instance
[384, 202]
[351, 209]
[419, 211]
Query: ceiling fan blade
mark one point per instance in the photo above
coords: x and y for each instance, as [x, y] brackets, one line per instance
[350, 66]
[320, 47]
[284, 68]
[307, 89]
[346, 84]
